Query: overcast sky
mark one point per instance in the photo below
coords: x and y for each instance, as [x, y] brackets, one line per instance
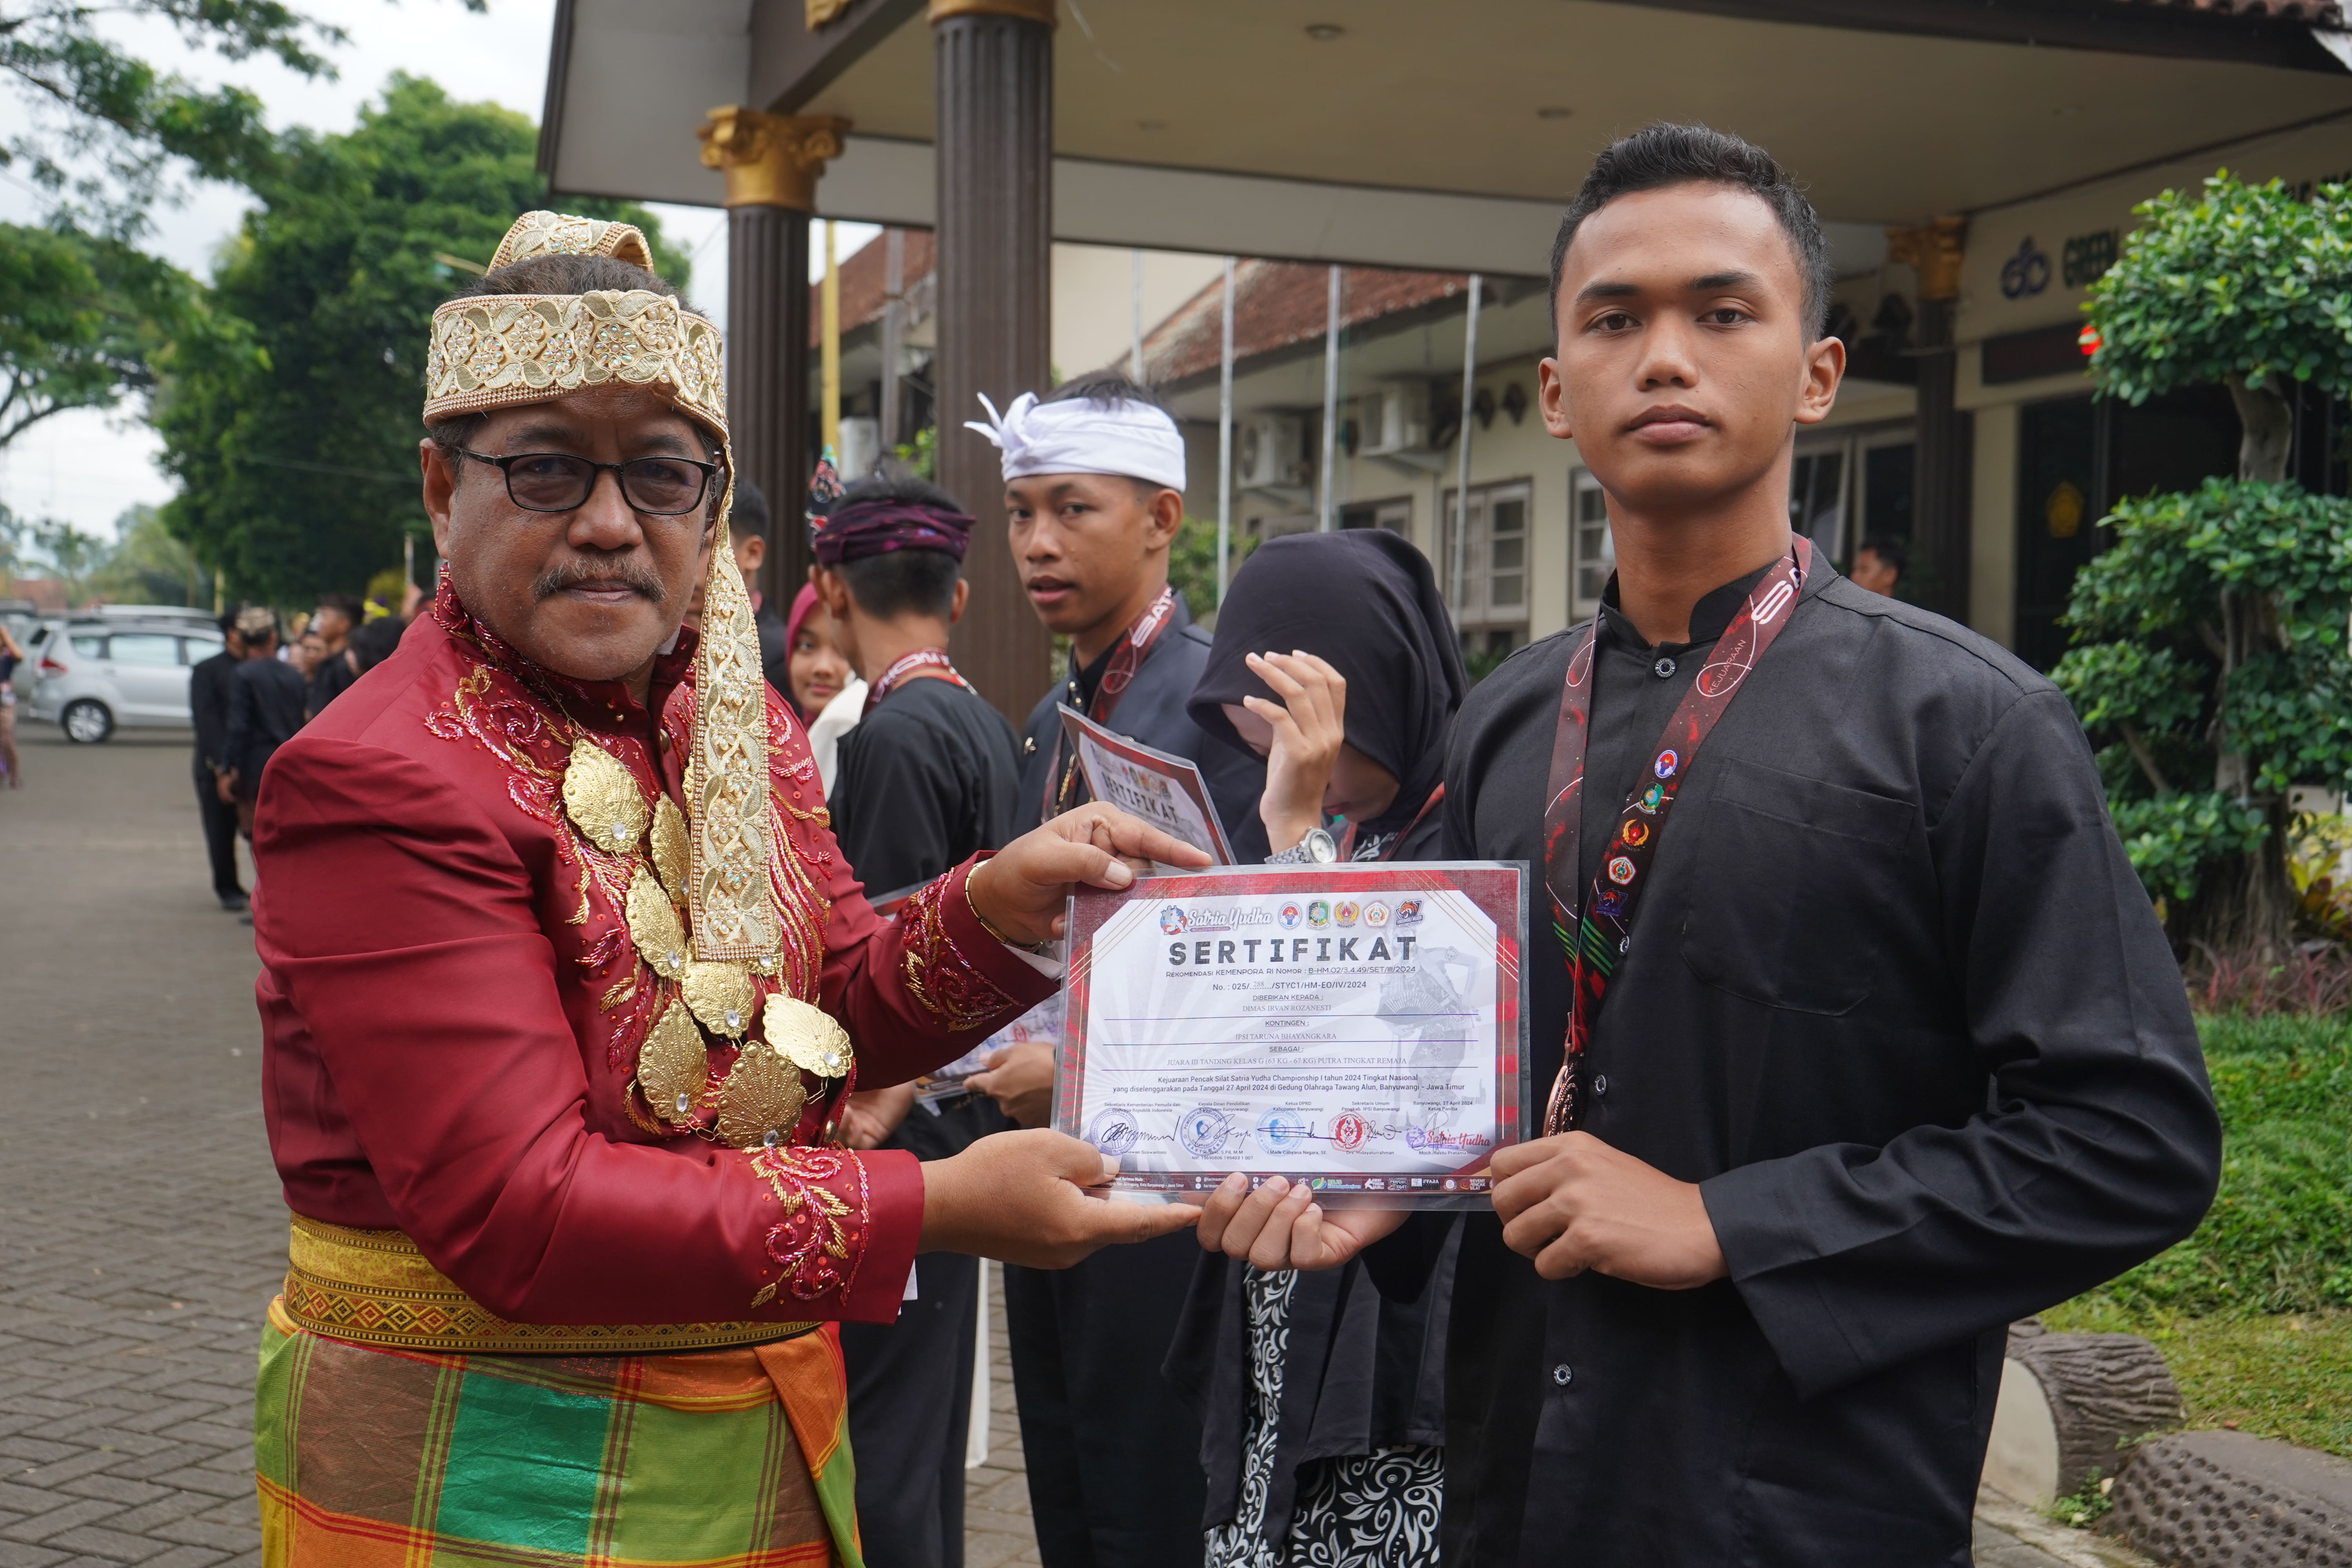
[86, 467]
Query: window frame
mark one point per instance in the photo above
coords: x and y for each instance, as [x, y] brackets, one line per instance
[1484, 613]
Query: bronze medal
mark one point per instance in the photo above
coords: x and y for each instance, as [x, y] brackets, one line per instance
[601, 798]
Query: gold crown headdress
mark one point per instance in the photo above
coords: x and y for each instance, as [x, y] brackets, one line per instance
[496, 351]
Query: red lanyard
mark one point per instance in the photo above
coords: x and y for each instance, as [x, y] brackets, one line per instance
[1606, 916]
[1126, 657]
[907, 667]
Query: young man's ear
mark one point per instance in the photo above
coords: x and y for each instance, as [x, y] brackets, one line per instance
[832, 591]
[1824, 369]
[750, 551]
[955, 606]
[1167, 510]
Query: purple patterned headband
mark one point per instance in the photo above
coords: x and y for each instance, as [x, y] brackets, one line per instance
[877, 527]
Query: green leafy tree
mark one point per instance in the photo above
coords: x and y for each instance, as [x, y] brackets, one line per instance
[148, 566]
[80, 317]
[2209, 663]
[289, 408]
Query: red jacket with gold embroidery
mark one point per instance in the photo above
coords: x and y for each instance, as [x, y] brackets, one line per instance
[453, 1006]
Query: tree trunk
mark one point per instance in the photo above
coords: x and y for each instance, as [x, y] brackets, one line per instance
[2267, 431]
[2245, 904]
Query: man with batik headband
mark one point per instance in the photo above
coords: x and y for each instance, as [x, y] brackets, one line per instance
[564, 982]
[1094, 483]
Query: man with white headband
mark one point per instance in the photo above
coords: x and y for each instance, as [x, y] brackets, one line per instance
[1094, 489]
[565, 982]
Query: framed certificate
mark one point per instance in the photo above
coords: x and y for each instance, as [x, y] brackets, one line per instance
[1167, 792]
[1360, 1028]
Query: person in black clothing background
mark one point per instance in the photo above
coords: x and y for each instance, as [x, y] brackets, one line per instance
[208, 701]
[925, 780]
[1094, 480]
[336, 618]
[1322, 1404]
[265, 708]
[1893, 1050]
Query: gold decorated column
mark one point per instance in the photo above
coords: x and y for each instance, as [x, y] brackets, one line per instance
[772, 162]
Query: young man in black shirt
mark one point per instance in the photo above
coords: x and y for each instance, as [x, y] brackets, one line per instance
[925, 780]
[208, 699]
[1892, 1051]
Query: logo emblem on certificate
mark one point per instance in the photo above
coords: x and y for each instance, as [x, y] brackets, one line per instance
[1357, 1027]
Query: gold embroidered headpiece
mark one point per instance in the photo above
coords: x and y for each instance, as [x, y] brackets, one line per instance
[496, 351]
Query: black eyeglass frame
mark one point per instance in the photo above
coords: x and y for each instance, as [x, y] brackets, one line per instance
[618, 470]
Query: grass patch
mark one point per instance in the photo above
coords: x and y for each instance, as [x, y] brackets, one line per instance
[2253, 1313]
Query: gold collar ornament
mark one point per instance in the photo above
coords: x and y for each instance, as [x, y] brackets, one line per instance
[500, 350]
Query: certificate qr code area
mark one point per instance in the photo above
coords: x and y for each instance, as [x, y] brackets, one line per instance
[1331, 1028]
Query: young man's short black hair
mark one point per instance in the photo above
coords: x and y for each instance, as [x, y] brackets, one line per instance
[901, 581]
[1890, 552]
[1106, 386]
[748, 519]
[348, 605]
[1660, 155]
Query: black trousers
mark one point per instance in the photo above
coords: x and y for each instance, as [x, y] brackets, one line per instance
[220, 833]
[1114, 1457]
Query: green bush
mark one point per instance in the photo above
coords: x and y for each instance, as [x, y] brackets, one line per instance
[2279, 1237]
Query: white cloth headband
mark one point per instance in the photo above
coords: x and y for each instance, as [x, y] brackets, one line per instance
[1081, 437]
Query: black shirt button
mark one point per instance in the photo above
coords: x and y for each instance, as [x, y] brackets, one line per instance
[1600, 1084]
[1665, 668]
[1563, 1374]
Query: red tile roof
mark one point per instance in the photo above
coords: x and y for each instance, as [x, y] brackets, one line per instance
[1277, 304]
[862, 274]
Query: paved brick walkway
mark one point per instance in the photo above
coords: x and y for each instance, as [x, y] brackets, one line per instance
[141, 1232]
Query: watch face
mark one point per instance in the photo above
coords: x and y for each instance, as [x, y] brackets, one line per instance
[1319, 846]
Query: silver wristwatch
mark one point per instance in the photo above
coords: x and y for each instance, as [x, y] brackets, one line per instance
[1316, 848]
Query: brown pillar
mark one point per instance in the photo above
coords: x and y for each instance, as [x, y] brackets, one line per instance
[1940, 510]
[994, 63]
[772, 162]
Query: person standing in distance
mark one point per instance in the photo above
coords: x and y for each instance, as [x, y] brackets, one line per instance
[1869, 1043]
[208, 699]
[1094, 482]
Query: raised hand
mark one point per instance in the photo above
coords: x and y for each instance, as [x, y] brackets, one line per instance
[1309, 726]
[1280, 1226]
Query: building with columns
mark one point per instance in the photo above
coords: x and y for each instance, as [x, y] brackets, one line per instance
[1976, 161]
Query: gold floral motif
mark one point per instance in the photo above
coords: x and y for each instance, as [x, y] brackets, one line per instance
[560, 234]
[673, 1067]
[728, 785]
[654, 927]
[721, 995]
[489, 352]
[601, 798]
[760, 1102]
[808, 1036]
[672, 851]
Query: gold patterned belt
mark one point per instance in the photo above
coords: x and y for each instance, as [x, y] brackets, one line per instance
[375, 1287]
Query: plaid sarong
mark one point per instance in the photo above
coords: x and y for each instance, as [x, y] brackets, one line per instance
[369, 1457]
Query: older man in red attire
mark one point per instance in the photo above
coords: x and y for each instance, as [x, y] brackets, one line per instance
[563, 981]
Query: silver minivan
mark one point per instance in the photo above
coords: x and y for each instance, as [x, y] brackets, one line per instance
[90, 673]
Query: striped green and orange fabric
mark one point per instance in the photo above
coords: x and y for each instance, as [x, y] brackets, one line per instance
[370, 1457]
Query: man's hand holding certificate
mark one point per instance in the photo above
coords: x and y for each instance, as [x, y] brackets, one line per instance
[1352, 1032]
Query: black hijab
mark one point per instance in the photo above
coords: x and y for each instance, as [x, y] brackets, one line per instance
[1364, 601]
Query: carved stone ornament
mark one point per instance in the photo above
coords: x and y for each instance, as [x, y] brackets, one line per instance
[771, 160]
[602, 800]
[1935, 251]
[808, 1036]
[654, 927]
[673, 1067]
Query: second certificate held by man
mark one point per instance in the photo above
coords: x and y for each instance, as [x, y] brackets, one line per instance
[1358, 1029]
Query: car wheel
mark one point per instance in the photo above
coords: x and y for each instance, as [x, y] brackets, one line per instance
[87, 721]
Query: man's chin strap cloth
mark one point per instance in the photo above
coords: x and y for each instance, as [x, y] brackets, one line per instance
[1079, 435]
[499, 350]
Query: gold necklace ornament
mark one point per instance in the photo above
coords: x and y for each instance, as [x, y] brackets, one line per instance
[602, 800]
[654, 926]
[673, 846]
[808, 1036]
[760, 1102]
[673, 1067]
[721, 995]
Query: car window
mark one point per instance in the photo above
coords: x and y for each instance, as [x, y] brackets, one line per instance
[145, 647]
[196, 650]
[90, 646]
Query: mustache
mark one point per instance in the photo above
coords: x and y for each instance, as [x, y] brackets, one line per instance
[634, 575]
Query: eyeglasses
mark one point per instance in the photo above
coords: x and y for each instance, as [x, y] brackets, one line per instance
[558, 482]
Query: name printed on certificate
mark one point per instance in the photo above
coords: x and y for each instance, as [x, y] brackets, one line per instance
[1360, 1028]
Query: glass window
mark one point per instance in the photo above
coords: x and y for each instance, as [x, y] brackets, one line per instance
[145, 647]
[196, 650]
[1817, 499]
[1493, 585]
[90, 646]
[1595, 554]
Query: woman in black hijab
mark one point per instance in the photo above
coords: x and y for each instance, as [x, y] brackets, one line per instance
[1336, 661]
[1322, 1403]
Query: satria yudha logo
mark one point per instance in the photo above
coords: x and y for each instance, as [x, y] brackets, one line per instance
[1171, 920]
[1175, 920]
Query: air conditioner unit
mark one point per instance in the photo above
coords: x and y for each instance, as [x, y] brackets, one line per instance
[1267, 451]
[1394, 418]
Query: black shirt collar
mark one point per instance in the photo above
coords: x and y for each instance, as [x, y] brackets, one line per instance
[1709, 618]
